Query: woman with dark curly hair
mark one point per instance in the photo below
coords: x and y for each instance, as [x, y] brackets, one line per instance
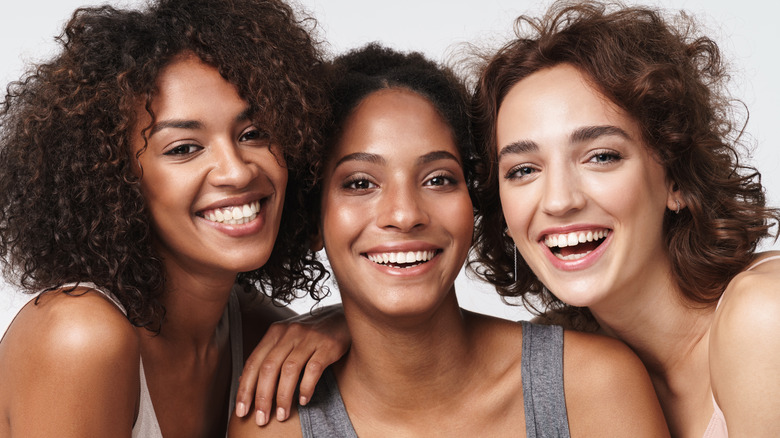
[613, 166]
[144, 174]
[396, 222]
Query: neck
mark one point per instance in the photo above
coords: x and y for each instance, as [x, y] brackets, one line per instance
[393, 363]
[194, 305]
[669, 335]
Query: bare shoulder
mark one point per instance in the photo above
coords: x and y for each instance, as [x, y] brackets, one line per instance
[65, 358]
[246, 428]
[608, 390]
[744, 350]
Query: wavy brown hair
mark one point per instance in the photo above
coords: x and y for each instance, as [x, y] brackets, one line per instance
[672, 82]
[72, 209]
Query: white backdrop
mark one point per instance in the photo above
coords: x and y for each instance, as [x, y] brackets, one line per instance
[746, 31]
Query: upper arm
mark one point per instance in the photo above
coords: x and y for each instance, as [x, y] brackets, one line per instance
[745, 353]
[608, 390]
[70, 368]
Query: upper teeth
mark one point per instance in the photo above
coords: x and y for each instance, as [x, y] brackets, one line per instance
[571, 239]
[238, 214]
[401, 257]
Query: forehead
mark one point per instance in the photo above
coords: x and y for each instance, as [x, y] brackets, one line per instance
[557, 99]
[395, 122]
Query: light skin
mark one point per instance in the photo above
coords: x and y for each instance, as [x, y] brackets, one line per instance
[571, 161]
[204, 158]
[394, 184]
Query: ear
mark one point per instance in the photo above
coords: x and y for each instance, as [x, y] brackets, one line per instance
[508, 233]
[674, 200]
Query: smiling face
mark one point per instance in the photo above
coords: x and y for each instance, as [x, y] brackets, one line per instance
[210, 178]
[397, 219]
[582, 195]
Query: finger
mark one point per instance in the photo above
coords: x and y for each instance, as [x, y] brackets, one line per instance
[247, 383]
[288, 380]
[311, 375]
[268, 378]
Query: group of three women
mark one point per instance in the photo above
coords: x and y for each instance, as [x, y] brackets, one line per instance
[195, 164]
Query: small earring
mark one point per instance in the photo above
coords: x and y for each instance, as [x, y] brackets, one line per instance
[678, 207]
[515, 248]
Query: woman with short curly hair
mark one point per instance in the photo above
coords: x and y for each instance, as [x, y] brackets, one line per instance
[144, 174]
[613, 166]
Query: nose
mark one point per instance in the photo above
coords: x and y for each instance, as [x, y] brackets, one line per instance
[230, 167]
[401, 209]
[562, 193]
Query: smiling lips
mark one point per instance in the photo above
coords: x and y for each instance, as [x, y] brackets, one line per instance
[575, 245]
[234, 215]
[402, 259]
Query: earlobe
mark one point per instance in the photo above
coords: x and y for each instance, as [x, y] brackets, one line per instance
[674, 200]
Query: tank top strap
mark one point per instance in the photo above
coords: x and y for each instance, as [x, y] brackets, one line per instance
[542, 375]
[762, 261]
[93, 286]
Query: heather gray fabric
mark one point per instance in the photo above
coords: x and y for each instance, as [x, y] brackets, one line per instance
[325, 415]
[542, 369]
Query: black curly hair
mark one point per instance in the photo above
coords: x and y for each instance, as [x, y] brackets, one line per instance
[671, 80]
[358, 73]
[72, 209]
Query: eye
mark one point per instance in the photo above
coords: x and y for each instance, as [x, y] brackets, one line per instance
[253, 134]
[358, 183]
[440, 180]
[604, 157]
[183, 149]
[519, 171]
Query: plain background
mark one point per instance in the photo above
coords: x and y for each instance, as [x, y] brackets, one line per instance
[746, 31]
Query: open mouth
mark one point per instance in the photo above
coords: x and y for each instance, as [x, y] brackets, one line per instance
[402, 259]
[576, 245]
[233, 215]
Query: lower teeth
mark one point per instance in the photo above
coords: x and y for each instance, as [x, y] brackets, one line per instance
[572, 256]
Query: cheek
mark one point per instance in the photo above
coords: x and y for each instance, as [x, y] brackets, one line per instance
[516, 208]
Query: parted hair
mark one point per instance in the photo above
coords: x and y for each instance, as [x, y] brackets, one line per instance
[72, 209]
[356, 74]
[672, 81]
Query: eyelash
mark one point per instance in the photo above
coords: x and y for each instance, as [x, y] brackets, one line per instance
[611, 155]
[447, 180]
[350, 183]
[178, 149]
[512, 173]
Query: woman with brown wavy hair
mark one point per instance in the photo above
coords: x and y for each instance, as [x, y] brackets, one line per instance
[145, 172]
[613, 166]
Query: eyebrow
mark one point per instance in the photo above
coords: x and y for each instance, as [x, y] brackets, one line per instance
[190, 124]
[360, 156]
[378, 159]
[436, 156]
[580, 135]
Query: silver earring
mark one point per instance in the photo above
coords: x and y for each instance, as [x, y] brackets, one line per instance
[678, 207]
[515, 248]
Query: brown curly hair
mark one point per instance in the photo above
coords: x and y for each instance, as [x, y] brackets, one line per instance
[72, 208]
[672, 82]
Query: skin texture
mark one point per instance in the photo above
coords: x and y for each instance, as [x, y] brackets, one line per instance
[395, 183]
[202, 153]
[613, 182]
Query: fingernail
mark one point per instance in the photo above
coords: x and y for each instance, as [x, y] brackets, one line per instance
[260, 418]
[241, 409]
[280, 414]
[303, 401]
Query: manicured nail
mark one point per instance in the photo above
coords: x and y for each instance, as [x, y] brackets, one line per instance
[260, 418]
[241, 409]
[303, 401]
[280, 414]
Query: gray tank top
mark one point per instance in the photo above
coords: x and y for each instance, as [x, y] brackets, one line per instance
[542, 374]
